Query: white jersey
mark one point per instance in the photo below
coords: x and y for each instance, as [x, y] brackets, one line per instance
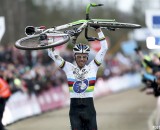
[81, 81]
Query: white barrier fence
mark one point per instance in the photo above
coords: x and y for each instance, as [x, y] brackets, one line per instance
[21, 105]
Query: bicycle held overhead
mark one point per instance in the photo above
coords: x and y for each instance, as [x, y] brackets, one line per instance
[81, 77]
[42, 38]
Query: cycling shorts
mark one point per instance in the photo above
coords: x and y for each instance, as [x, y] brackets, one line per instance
[82, 114]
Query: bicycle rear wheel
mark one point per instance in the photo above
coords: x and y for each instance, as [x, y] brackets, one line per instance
[115, 25]
[42, 41]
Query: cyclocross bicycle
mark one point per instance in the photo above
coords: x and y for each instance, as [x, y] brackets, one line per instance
[42, 38]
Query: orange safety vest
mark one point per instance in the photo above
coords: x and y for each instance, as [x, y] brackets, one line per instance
[5, 91]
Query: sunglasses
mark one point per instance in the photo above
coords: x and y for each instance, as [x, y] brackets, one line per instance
[81, 57]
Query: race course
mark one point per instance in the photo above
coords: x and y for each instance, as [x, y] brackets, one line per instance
[128, 110]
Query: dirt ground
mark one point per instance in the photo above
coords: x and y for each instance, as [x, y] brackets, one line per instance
[128, 110]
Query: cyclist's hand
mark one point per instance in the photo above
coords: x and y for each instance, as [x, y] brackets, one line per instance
[98, 30]
[50, 50]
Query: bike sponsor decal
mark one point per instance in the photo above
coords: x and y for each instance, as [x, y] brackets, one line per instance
[80, 86]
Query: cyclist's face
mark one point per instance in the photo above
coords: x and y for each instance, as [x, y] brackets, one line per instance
[81, 59]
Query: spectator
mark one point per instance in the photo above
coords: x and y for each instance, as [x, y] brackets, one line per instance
[4, 95]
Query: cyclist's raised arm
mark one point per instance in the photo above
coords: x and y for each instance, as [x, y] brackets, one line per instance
[104, 47]
[59, 61]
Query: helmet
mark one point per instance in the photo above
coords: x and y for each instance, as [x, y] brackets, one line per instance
[81, 48]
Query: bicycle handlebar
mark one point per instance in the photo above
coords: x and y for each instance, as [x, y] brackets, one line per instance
[94, 4]
[90, 38]
[88, 8]
[87, 18]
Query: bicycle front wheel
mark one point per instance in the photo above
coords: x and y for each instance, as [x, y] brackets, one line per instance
[42, 41]
[115, 25]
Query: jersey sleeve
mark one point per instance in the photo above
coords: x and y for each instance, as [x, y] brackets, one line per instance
[101, 53]
[59, 61]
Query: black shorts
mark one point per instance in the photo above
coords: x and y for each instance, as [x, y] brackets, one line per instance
[82, 114]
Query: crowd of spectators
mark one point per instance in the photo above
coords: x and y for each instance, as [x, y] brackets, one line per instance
[34, 71]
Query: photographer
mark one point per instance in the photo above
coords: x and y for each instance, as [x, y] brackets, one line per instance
[150, 61]
[153, 85]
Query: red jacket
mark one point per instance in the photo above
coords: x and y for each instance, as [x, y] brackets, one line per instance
[5, 91]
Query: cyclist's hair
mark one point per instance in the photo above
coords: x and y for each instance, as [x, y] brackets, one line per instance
[81, 48]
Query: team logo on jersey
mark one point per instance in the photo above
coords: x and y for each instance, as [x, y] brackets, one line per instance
[80, 74]
[80, 86]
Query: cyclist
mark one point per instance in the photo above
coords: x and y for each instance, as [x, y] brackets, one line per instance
[81, 80]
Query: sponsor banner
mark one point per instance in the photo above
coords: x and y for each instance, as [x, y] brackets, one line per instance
[153, 42]
[124, 82]
[51, 99]
[153, 22]
[21, 105]
[101, 88]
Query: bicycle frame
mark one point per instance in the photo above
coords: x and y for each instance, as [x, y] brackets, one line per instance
[79, 22]
[78, 26]
[83, 23]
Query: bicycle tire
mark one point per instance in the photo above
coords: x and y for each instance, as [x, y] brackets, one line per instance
[33, 42]
[115, 25]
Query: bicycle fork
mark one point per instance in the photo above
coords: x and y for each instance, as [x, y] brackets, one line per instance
[77, 32]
